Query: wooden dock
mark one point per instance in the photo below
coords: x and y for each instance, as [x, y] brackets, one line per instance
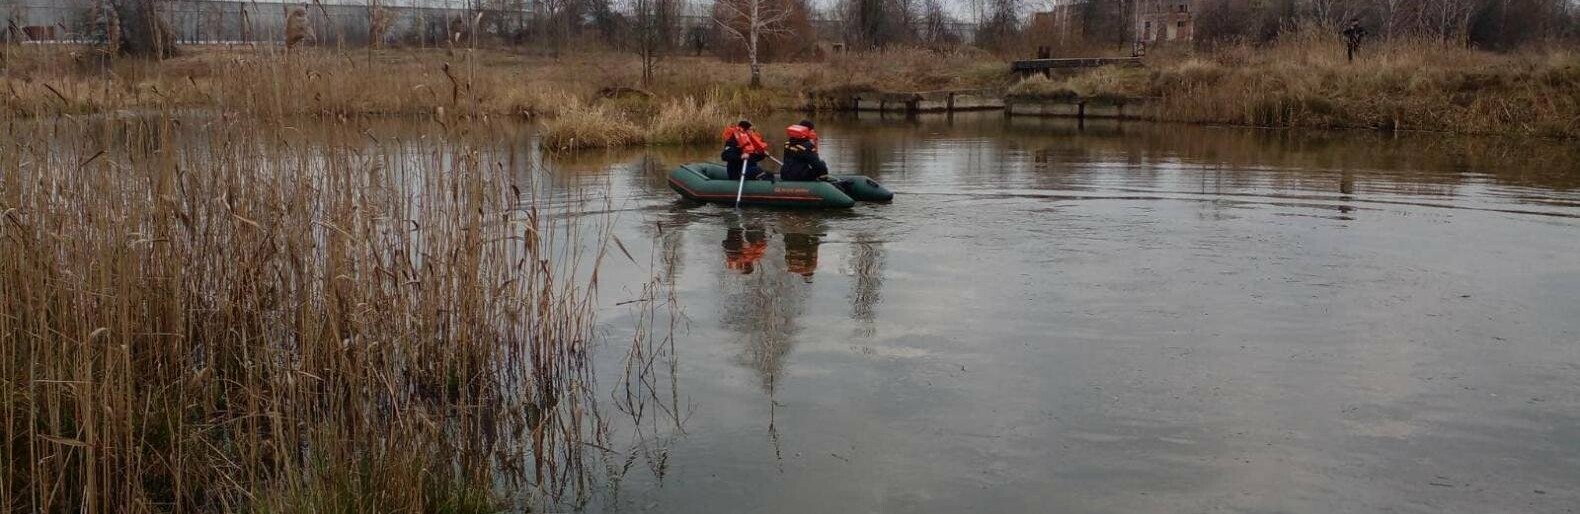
[1138, 108]
[920, 101]
[1029, 66]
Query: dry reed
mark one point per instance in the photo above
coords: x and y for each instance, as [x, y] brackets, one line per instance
[222, 318]
[609, 124]
[591, 125]
[687, 120]
[1304, 80]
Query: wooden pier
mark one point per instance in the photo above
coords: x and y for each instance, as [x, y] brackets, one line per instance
[919, 101]
[1029, 66]
[1139, 108]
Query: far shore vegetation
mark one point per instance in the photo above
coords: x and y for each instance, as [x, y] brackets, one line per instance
[642, 79]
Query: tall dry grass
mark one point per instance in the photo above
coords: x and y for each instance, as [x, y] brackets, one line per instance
[311, 82]
[272, 84]
[591, 125]
[204, 315]
[688, 120]
[1304, 80]
[611, 125]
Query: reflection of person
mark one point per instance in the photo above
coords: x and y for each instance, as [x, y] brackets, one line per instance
[801, 254]
[801, 154]
[743, 147]
[743, 247]
[1353, 34]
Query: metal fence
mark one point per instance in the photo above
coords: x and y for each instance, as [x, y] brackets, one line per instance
[414, 22]
[241, 21]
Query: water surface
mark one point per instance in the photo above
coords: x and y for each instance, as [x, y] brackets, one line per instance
[1119, 318]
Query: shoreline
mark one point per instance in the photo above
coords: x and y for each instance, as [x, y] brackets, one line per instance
[1404, 87]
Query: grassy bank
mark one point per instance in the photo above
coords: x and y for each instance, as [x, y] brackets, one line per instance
[597, 99]
[591, 99]
[1305, 81]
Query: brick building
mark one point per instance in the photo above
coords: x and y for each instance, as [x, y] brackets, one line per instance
[1059, 25]
[1159, 21]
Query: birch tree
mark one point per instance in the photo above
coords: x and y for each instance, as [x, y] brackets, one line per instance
[750, 21]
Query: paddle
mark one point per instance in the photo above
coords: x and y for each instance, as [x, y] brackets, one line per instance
[742, 187]
[781, 167]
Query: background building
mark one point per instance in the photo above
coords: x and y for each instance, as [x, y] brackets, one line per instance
[1165, 20]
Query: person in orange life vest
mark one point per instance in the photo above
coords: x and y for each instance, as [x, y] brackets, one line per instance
[743, 248]
[801, 154]
[743, 147]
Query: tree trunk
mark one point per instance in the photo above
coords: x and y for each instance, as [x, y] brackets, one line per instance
[751, 45]
[143, 31]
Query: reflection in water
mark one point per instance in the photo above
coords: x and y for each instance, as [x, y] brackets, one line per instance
[1205, 287]
[1213, 297]
[866, 291]
[744, 246]
[763, 310]
[801, 254]
[802, 234]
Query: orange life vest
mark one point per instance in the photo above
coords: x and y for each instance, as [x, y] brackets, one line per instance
[801, 132]
[749, 142]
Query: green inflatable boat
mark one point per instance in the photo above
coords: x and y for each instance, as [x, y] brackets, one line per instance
[709, 182]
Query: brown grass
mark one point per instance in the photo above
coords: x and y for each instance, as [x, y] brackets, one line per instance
[1299, 81]
[688, 120]
[322, 82]
[591, 125]
[611, 124]
[214, 314]
[1305, 81]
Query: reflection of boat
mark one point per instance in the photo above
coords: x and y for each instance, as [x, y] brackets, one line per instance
[708, 182]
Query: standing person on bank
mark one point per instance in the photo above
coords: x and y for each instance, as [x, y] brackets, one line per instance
[1353, 34]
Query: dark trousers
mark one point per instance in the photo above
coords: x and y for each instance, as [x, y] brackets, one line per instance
[803, 167]
[753, 171]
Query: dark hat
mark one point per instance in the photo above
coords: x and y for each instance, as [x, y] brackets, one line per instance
[807, 124]
[744, 124]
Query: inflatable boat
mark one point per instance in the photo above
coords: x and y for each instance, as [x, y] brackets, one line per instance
[709, 182]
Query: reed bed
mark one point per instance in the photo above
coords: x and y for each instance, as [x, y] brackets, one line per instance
[265, 82]
[610, 125]
[1304, 80]
[213, 315]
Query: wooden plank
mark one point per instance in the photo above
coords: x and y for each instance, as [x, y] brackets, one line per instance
[1089, 62]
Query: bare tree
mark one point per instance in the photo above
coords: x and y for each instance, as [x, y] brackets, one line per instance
[936, 24]
[1391, 15]
[137, 28]
[1001, 25]
[651, 31]
[1450, 19]
[297, 28]
[1333, 13]
[749, 21]
[880, 23]
[379, 20]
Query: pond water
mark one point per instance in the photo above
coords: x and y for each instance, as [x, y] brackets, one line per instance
[1053, 317]
[1087, 318]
